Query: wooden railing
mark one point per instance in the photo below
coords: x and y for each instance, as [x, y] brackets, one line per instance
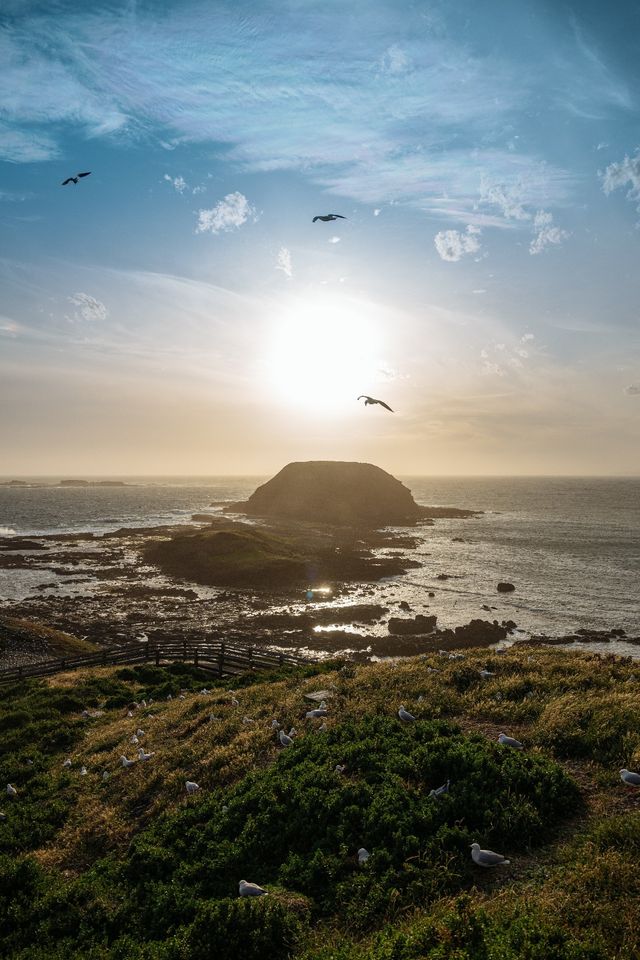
[215, 656]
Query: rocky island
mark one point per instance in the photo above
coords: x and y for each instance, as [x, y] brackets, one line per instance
[339, 492]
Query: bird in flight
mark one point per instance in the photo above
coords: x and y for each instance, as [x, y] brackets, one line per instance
[368, 400]
[329, 216]
[76, 178]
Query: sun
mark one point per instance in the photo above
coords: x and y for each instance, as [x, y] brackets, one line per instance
[323, 354]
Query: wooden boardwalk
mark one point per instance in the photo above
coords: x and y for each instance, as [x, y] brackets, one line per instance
[216, 656]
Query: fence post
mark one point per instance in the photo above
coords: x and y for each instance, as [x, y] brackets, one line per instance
[221, 663]
[281, 659]
[157, 656]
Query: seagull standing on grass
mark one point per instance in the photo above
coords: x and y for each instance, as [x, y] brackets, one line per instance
[405, 715]
[319, 712]
[246, 889]
[11, 791]
[284, 739]
[510, 742]
[440, 791]
[126, 763]
[191, 786]
[630, 777]
[487, 858]
[67, 763]
[363, 856]
[145, 756]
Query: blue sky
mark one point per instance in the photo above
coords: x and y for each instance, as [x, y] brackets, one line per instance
[178, 311]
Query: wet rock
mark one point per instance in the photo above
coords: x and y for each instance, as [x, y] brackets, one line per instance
[505, 587]
[419, 624]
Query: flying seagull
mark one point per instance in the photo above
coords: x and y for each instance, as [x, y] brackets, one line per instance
[368, 400]
[326, 218]
[76, 178]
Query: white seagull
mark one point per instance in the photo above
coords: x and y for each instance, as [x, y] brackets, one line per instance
[126, 763]
[284, 739]
[363, 856]
[630, 777]
[246, 889]
[440, 791]
[485, 674]
[405, 715]
[11, 791]
[83, 772]
[510, 742]
[67, 763]
[319, 712]
[143, 755]
[486, 858]
[105, 775]
[134, 739]
[191, 786]
[339, 768]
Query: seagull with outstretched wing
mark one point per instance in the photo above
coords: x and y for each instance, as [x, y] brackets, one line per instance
[368, 400]
[75, 179]
[327, 217]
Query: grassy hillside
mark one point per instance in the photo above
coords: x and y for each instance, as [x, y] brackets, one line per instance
[132, 867]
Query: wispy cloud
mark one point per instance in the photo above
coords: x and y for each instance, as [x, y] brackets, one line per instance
[546, 233]
[419, 119]
[284, 261]
[229, 214]
[89, 308]
[178, 183]
[333, 240]
[452, 245]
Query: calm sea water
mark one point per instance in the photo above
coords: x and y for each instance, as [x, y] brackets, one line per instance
[570, 545]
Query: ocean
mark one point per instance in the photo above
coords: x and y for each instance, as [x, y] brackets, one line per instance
[570, 545]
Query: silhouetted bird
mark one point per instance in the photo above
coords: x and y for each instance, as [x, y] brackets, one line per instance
[368, 400]
[326, 218]
[76, 178]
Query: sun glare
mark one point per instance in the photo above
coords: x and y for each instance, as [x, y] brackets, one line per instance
[323, 355]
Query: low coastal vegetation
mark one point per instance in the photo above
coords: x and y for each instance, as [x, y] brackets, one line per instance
[105, 861]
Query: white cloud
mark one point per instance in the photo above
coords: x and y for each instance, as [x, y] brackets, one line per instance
[507, 197]
[88, 307]
[333, 240]
[284, 261]
[395, 59]
[626, 173]
[377, 212]
[228, 214]
[633, 390]
[178, 183]
[546, 234]
[452, 245]
[479, 290]
[527, 336]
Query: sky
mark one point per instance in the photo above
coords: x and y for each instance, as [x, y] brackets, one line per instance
[178, 312]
